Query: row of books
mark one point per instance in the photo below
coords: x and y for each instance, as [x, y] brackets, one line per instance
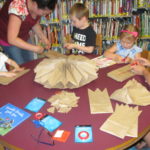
[143, 22]
[141, 4]
[100, 8]
[53, 18]
[66, 5]
[144, 44]
[52, 32]
[109, 27]
[103, 8]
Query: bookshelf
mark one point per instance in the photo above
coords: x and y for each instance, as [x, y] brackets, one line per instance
[107, 17]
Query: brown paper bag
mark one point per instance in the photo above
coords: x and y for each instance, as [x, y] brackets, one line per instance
[99, 101]
[7, 80]
[121, 74]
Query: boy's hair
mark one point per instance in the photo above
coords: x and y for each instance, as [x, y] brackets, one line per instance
[50, 4]
[128, 36]
[79, 10]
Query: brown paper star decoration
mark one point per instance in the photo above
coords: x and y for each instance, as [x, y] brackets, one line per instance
[63, 102]
[132, 92]
[65, 72]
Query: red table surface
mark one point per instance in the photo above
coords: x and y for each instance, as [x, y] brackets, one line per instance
[24, 89]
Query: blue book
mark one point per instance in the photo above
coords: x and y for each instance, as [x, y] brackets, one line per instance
[50, 123]
[35, 104]
[10, 117]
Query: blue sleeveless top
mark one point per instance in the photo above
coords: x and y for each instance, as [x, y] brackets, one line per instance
[127, 52]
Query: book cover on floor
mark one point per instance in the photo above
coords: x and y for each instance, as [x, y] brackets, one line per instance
[10, 117]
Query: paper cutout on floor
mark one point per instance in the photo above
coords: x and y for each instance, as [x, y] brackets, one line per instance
[99, 101]
[121, 74]
[123, 122]
[66, 72]
[103, 62]
[8, 80]
[132, 93]
[63, 102]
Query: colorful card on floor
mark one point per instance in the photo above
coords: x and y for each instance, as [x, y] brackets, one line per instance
[50, 123]
[10, 117]
[61, 135]
[83, 134]
[35, 104]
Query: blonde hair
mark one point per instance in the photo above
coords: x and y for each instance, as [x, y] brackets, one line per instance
[128, 36]
[79, 10]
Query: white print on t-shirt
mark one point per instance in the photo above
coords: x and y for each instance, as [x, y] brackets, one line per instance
[80, 37]
[80, 43]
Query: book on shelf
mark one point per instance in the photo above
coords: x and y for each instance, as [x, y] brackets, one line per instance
[66, 6]
[103, 8]
[109, 27]
[52, 32]
[142, 21]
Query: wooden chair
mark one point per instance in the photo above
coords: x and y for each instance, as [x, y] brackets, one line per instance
[146, 54]
[99, 43]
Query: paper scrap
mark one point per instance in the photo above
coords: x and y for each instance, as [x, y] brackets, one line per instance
[63, 102]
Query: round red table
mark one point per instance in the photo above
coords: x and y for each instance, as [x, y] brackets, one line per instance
[24, 89]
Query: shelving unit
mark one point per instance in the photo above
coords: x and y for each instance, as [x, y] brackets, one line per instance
[107, 17]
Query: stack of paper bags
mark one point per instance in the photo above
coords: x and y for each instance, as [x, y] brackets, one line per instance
[123, 122]
[132, 93]
[121, 74]
[8, 80]
[99, 101]
[63, 102]
[65, 72]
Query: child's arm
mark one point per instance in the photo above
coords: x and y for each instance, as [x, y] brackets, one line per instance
[110, 53]
[7, 74]
[14, 25]
[15, 65]
[87, 49]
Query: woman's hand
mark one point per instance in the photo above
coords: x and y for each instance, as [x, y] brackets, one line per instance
[39, 49]
[138, 69]
[143, 61]
[46, 43]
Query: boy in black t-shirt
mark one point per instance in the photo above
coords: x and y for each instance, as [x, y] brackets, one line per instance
[83, 35]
